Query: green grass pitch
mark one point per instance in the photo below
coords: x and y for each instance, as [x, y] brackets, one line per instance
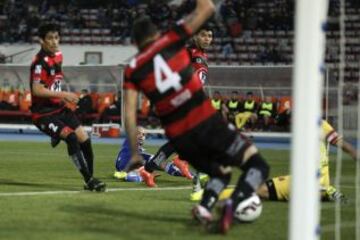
[127, 214]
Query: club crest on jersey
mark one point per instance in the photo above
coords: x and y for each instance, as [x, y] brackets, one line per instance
[198, 60]
[133, 63]
[38, 69]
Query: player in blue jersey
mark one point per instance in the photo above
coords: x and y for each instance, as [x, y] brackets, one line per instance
[141, 174]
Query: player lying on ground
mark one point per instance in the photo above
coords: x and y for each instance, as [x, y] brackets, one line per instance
[162, 71]
[141, 174]
[278, 188]
[48, 109]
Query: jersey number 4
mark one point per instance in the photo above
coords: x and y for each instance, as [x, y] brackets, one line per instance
[165, 78]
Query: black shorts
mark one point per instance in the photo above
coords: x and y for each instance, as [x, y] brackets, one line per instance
[211, 144]
[53, 124]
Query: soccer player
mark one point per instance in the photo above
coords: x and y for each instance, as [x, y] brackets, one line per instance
[49, 112]
[278, 188]
[162, 71]
[199, 59]
[123, 160]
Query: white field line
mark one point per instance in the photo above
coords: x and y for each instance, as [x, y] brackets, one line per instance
[20, 194]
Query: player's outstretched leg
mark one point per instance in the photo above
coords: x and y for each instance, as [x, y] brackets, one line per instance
[158, 162]
[155, 162]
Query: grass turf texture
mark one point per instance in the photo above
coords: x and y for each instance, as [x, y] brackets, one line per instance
[163, 214]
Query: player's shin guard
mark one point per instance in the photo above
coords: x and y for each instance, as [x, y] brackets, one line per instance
[77, 156]
[256, 171]
[159, 158]
[212, 190]
[87, 151]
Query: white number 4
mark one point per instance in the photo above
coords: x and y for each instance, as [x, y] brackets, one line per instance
[165, 78]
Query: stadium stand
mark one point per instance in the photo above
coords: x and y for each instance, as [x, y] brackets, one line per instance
[246, 32]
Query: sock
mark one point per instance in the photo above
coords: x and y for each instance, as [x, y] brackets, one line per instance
[242, 191]
[77, 156]
[159, 158]
[87, 151]
[196, 182]
[212, 190]
[172, 170]
[256, 171]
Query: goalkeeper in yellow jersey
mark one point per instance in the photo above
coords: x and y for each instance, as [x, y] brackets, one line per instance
[278, 188]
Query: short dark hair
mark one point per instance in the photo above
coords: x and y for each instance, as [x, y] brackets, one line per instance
[46, 28]
[207, 28]
[143, 27]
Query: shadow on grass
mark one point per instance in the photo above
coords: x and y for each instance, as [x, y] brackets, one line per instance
[100, 210]
[46, 186]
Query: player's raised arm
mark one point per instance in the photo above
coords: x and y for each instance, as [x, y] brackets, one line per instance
[348, 148]
[203, 11]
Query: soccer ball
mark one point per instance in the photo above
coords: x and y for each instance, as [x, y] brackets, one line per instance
[249, 209]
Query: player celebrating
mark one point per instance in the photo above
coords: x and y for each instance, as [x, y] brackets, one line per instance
[141, 174]
[162, 70]
[49, 112]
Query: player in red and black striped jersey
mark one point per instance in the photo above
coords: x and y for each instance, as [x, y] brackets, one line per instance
[162, 71]
[199, 43]
[197, 49]
[49, 112]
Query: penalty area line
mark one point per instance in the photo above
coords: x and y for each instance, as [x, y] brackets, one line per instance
[18, 194]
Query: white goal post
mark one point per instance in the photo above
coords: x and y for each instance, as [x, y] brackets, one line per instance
[307, 77]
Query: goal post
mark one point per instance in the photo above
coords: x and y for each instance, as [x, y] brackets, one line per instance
[307, 83]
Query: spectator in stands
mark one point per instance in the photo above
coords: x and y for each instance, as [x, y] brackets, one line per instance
[233, 105]
[247, 113]
[113, 111]
[219, 104]
[9, 98]
[267, 112]
[227, 48]
[2, 58]
[283, 118]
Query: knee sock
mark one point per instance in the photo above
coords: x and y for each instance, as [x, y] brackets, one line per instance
[159, 158]
[256, 171]
[87, 151]
[77, 156]
[212, 190]
[196, 182]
